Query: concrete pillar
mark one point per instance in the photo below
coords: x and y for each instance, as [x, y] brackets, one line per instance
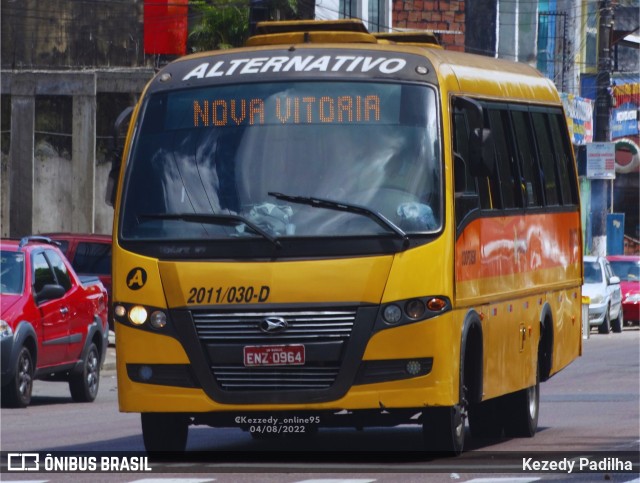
[21, 159]
[83, 162]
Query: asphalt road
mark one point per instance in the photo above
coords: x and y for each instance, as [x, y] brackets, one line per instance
[590, 407]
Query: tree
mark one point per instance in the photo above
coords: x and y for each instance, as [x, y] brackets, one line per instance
[224, 24]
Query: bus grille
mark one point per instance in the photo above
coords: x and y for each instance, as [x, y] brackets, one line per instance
[262, 379]
[228, 332]
[303, 326]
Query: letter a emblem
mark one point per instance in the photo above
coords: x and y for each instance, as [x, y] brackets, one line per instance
[136, 278]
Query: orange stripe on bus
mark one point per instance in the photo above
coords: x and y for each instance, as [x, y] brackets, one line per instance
[511, 245]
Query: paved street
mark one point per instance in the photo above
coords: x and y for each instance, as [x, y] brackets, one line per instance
[590, 407]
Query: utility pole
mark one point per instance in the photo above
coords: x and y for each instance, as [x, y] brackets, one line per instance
[602, 131]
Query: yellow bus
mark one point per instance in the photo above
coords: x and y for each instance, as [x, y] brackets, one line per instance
[333, 228]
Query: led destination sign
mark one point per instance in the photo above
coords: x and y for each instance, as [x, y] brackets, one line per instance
[289, 104]
[286, 110]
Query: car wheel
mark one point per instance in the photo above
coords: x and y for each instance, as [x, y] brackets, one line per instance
[521, 410]
[164, 432]
[84, 386]
[618, 324]
[605, 326]
[17, 394]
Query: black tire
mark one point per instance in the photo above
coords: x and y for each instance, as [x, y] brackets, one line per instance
[605, 326]
[521, 410]
[618, 324]
[484, 419]
[164, 433]
[444, 430]
[84, 385]
[17, 393]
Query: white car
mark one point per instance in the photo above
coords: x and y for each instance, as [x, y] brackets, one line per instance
[603, 289]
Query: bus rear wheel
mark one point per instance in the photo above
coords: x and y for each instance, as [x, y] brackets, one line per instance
[444, 430]
[164, 433]
[521, 411]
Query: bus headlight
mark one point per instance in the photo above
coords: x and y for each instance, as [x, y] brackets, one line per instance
[138, 315]
[158, 319]
[120, 310]
[414, 309]
[408, 311]
[392, 314]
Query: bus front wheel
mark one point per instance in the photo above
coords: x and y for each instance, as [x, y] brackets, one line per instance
[484, 419]
[164, 433]
[444, 429]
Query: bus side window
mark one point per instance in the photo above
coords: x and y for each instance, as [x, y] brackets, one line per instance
[564, 162]
[465, 183]
[473, 146]
[507, 174]
[546, 157]
[526, 155]
[462, 173]
[489, 187]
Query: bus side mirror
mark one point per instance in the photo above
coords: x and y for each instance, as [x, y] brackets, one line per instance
[481, 147]
[115, 153]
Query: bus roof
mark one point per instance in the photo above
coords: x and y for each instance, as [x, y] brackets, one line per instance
[457, 72]
[493, 78]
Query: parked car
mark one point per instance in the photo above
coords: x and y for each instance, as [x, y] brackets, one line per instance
[603, 289]
[627, 268]
[53, 322]
[89, 254]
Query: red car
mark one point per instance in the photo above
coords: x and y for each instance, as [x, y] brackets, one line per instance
[89, 254]
[627, 268]
[53, 322]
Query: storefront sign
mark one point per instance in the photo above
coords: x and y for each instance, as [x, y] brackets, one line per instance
[579, 111]
[601, 161]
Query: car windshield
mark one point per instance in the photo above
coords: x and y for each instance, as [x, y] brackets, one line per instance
[255, 151]
[11, 272]
[627, 271]
[592, 272]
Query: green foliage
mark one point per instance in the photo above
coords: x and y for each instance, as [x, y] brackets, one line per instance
[223, 25]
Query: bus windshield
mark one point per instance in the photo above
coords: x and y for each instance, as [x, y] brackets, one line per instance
[250, 153]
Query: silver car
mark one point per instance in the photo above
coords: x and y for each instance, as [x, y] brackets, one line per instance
[603, 289]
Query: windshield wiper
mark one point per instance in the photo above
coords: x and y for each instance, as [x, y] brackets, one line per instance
[347, 207]
[213, 218]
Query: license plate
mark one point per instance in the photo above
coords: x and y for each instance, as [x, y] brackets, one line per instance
[274, 355]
